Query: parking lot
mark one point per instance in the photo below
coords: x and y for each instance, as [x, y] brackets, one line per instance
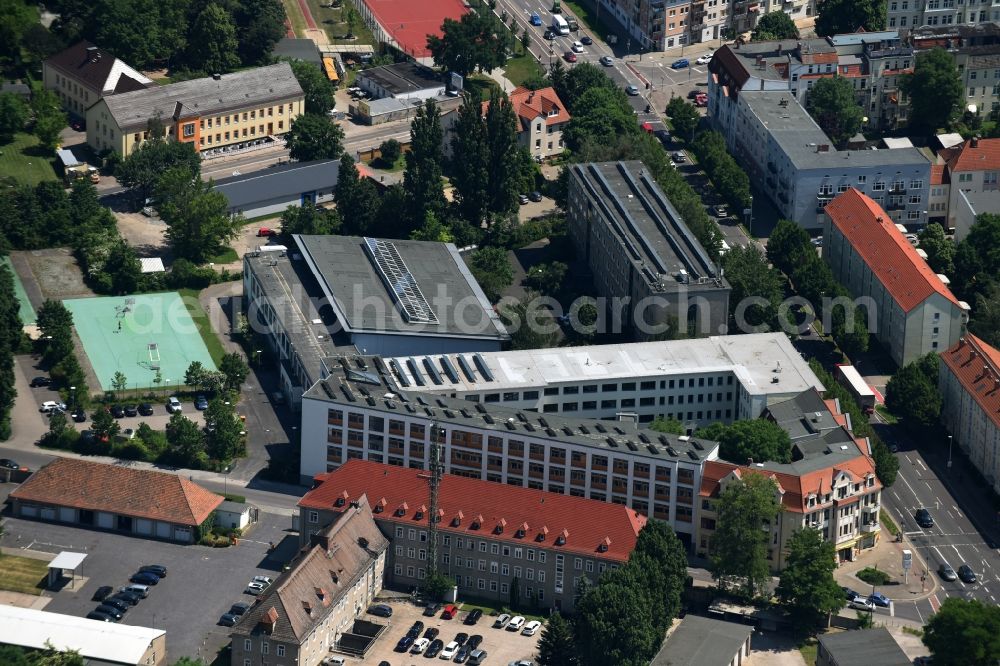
[501, 646]
[202, 583]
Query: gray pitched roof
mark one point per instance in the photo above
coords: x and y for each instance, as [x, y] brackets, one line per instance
[200, 97]
[702, 641]
[868, 646]
[277, 182]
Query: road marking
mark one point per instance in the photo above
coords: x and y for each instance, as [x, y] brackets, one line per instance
[957, 511]
[921, 463]
[910, 487]
[935, 603]
[916, 607]
[892, 609]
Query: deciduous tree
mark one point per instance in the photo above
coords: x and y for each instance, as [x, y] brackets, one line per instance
[964, 632]
[756, 288]
[470, 163]
[740, 544]
[309, 220]
[492, 271]
[477, 41]
[213, 46]
[842, 16]
[197, 216]
[934, 90]
[235, 368]
[807, 583]
[317, 88]
[422, 179]
[13, 115]
[142, 168]
[833, 105]
[315, 137]
[684, 117]
[556, 646]
[912, 392]
[185, 442]
[773, 26]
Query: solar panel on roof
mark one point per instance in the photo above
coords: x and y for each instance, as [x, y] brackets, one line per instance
[529, 427]
[399, 281]
[411, 409]
[510, 426]
[568, 430]
[696, 444]
[463, 363]
[483, 369]
[672, 451]
[417, 377]
[663, 440]
[371, 401]
[441, 403]
[584, 430]
[522, 417]
[380, 365]
[429, 411]
[449, 369]
[692, 455]
[397, 371]
[432, 371]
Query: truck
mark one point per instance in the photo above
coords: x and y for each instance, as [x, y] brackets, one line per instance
[559, 25]
[852, 380]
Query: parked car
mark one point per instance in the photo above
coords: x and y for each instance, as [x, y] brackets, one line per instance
[7, 463]
[131, 598]
[50, 406]
[879, 599]
[549, 35]
[117, 411]
[924, 519]
[631, 91]
[334, 661]
[102, 593]
[380, 610]
[100, 617]
[817, 242]
[201, 403]
[516, 623]
[531, 628]
[501, 621]
[431, 633]
[144, 578]
[477, 657]
[694, 93]
[535, 196]
[569, 56]
[449, 650]
[461, 638]
[701, 100]
[521, 662]
[849, 594]
[431, 609]
[450, 611]
[255, 588]
[110, 611]
[705, 59]
[156, 569]
[473, 616]
[475, 640]
[434, 648]
[679, 156]
[404, 644]
[522, 199]
[266, 232]
[860, 603]
[79, 415]
[586, 40]
[131, 410]
[420, 645]
[607, 61]
[239, 608]
[141, 590]
[720, 211]
[173, 405]
[415, 629]
[462, 655]
[145, 409]
[39, 382]
[115, 602]
[966, 574]
[229, 620]
[680, 63]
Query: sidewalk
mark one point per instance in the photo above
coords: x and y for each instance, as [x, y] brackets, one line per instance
[887, 556]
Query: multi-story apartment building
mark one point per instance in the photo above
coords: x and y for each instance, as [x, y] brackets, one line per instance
[84, 73]
[783, 150]
[976, 50]
[643, 257]
[969, 382]
[911, 311]
[490, 535]
[830, 485]
[697, 382]
[972, 167]
[239, 109]
[871, 61]
[946, 14]
[360, 413]
[541, 118]
[320, 596]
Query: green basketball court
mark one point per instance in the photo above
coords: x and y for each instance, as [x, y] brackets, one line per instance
[24, 305]
[143, 337]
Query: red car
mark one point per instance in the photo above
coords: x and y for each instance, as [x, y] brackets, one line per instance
[264, 232]
[701, 99]
[569, 56]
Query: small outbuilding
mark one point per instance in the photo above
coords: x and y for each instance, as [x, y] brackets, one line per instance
[866, 646]
[702, 641]
[236, 515]
[272, 191]
[65, 561]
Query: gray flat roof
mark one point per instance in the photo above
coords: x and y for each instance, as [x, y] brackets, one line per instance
[299, 49]
[276, 182]
[983, 202]
[818, 440]
[756, 359]
[866, 646]
[403, 77]
[365, 383]
[199, 97]
[702, 641]
[647, 224]
[362, 302]
[775, 52]
[799, 137]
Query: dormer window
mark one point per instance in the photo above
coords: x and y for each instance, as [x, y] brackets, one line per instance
[307, 607]
[604, 545]
[402, 509]
[501, 524]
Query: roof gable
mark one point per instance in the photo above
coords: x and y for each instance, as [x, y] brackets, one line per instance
[83, 484]
[875, 238]
[975, 155]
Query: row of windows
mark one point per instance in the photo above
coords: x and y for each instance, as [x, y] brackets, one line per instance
[279, 650]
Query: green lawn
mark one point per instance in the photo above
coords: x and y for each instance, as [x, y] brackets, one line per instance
[480, 86]
[488, 609]
[809, 652]
[398, 165]
[886, 415]
[25, 161]
[330, 20]
[522, 68]
[589, 19]
[200, 320]
[22, 574]
[888, 522]
[227, 256]
[295, 17]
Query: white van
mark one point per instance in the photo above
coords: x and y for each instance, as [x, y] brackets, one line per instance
[559, 25]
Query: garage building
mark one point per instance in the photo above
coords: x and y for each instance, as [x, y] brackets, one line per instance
[271, 191]
[108, 497]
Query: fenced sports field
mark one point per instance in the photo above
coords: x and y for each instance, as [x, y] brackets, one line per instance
[149, 338]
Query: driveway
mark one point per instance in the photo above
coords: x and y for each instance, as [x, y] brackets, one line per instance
[201, 585]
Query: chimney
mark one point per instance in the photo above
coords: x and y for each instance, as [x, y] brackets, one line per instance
[975, 142]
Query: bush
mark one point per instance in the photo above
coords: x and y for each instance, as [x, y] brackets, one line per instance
[214, 541]
[874, 576]
[132, 449]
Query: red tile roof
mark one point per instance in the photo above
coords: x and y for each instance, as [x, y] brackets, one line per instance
[477, 507]
[410, 22]
[976, 365]
[529, 104]
[937, 174]
[885, 250]
[139, 493]
[983, 157]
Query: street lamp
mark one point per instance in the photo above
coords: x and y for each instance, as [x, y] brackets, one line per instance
[749, 213]
[949, 451]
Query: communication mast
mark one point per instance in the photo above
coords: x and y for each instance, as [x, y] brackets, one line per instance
[434, 481]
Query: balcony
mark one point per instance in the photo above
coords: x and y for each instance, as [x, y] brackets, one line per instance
[868, 528]
[897, 188]
[888, 51]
